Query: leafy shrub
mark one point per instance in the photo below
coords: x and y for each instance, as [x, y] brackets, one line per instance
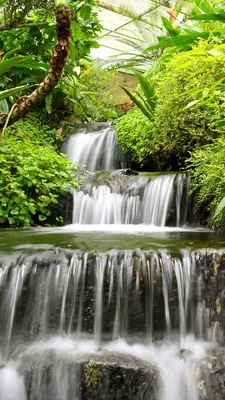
[32, 128]
[208, 165]
[134, 133]
[189, 108]
[188, 101]
[32, 176]
[88, 95]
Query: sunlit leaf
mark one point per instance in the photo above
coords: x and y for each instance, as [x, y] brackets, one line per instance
[10, 92]
[209, 17]
[218, 210]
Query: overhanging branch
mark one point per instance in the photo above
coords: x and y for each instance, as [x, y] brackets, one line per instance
[19, 26]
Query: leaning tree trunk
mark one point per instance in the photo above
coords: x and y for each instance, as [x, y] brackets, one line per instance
[57, 63]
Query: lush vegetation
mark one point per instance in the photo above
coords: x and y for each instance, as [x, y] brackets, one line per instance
[208, 166]
[31, 180]
[184, 112]
[179, 116]
[134, 134]
[33, 172]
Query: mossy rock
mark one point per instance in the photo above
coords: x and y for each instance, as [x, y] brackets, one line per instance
[101, 376]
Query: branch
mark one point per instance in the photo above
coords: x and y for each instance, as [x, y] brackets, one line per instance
[19, 26]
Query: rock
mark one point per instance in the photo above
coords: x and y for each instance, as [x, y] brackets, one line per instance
[212, 382]
[117, 376]
[103, 376]
[124, 172]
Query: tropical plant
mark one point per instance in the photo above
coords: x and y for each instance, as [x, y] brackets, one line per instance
[87, 96]
[189, 108]
[134, 134]
[207, 165]
[33, 174]
[84, 27]
[31, 179]
[144, 97]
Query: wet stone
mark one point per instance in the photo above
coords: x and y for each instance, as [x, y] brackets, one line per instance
[103, 376]
[212, 382]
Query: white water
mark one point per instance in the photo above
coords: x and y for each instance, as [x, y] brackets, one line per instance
[56, 304]
[95, 150]
[133, 203]
[178, 368]
[118, 294]
[11, 384]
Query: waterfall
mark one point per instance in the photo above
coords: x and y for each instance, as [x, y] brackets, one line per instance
[56, 305]
[114, 295]
[106, 316]
[137, 200]
[155, 200]
[95, 150]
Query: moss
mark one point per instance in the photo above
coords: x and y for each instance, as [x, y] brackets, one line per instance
[92, 374]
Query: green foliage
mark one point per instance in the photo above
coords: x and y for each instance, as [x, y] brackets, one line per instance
[144, 97]
[207, 165]
[218, 211]
[87, 93]
[32, 176]
[33, 128]
[85, 28]
[4, 94]
[189, 102]
[134, 133]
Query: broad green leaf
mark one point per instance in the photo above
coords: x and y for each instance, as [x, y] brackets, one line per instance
[85, 12]
[179, 41]
[218, 210]
[138, 103]
[191, 104]
[48, 103]
[209, 17]
[12, 91]
[146, 87]
[73, 51]
[204, 5]
[4, 108]
[10, 53]
[6, 65]
[169, 27]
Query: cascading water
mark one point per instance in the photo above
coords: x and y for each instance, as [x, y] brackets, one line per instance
[78, 324]
[103, 301]
[140, 199]
[95, 150]
[135, 200]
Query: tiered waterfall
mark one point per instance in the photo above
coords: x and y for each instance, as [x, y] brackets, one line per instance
[114, 316]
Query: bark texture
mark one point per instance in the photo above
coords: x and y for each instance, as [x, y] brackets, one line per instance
[57, 63]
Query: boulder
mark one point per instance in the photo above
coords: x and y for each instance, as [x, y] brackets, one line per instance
[49, 375]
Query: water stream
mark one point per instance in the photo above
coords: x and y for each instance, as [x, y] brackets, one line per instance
[146, 286]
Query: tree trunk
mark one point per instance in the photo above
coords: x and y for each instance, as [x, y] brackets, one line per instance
[57, 63]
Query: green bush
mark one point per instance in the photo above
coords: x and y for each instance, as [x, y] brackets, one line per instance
[208, 173]
[134, 132]
[188, 101]
[88, 95]
[32, 128]
[32, 176]
[189, 108]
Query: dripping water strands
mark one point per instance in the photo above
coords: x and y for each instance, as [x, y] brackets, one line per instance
[116, 300]
[111, 299]
[133, 200]
[120, 198]
[95, 150]
[113, 295]
[60, 305]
